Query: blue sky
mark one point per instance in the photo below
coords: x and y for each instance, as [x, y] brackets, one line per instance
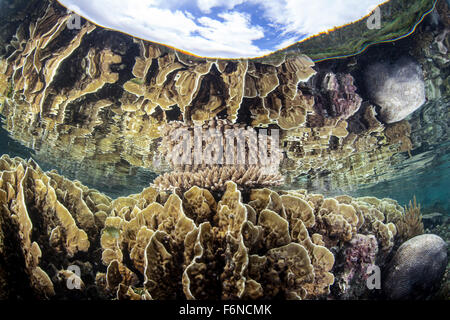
[222, 28]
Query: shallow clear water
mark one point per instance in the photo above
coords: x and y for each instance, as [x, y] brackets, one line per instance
[102, 115]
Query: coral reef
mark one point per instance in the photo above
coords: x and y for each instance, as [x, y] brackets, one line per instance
[425, 141]
[64, 232]
[215, 178]
[343, 101]
[101, 109]
[198, 244]
[356, 261]
[359, 257]
[160, 78]
[104, 105]
[212, 154]
[330, 148]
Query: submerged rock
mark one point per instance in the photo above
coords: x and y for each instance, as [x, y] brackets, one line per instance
[432, 219]
[398, 88]
[416, 269]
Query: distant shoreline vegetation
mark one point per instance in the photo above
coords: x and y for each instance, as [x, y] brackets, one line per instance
[384, 41]
[399, 19]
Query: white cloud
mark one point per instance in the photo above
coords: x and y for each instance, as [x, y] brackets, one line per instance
[312, 17]
[206, 5]
[235, 29]
[230, 33]
[231, 36]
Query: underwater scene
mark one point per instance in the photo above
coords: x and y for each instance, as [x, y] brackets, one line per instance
[224, 150]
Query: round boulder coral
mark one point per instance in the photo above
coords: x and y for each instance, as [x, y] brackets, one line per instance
[398, 88]
[416, 269]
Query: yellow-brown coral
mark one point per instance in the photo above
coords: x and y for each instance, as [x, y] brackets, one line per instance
[410, 224]
[198, 244]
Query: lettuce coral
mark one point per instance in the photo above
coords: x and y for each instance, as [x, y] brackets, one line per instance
[197, 244]
[101, 110]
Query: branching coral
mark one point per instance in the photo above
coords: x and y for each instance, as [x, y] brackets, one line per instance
[214, 178]
[410, 224]
[212, 154]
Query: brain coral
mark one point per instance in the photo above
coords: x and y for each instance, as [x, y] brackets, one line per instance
[200, 244]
